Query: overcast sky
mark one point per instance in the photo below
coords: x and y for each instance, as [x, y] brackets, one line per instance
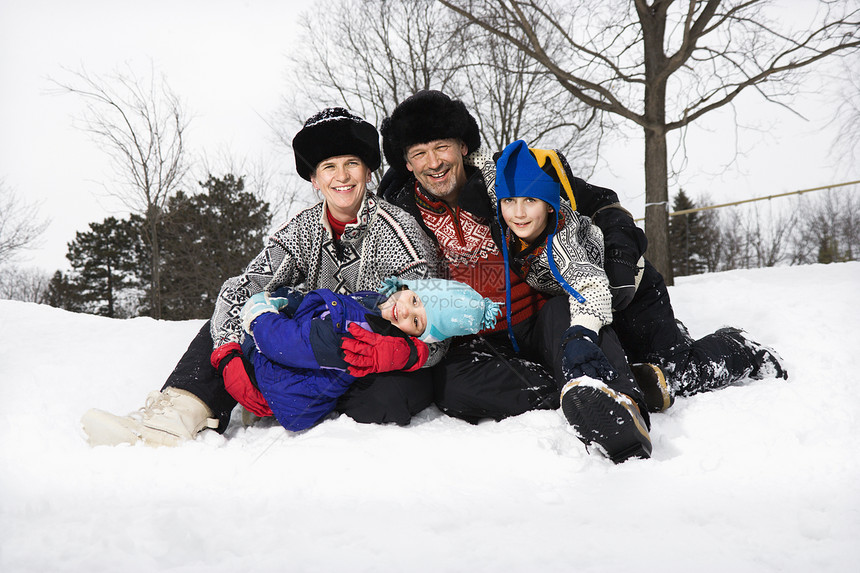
[228, 59]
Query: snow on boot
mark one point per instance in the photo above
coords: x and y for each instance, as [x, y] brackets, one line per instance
[766, 363]
[169, 418]
[601, 416]
[652, 382]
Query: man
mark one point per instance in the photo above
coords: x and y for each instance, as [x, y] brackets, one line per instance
[426, 140]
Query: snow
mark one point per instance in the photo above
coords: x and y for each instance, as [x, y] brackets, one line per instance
[759, 477]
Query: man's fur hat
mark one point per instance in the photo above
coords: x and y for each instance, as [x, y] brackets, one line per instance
[426, 116]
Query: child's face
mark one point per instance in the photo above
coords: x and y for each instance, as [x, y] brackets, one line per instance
[405, 310]
[526, 216]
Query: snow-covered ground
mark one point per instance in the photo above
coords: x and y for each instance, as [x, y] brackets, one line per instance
[761, 477]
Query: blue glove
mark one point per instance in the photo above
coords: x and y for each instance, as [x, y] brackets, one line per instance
[581, 356]
[263, 302]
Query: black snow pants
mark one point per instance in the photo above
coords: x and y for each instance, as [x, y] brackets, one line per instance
[483, 377]
[389, 397]
[649, 333]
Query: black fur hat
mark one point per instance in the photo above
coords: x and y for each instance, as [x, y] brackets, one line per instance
[332, 132]
[426, 116]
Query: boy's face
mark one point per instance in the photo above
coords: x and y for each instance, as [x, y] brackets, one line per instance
[526, 216]
[405, 310]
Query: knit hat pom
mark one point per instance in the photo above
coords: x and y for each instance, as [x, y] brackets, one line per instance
[453, 308]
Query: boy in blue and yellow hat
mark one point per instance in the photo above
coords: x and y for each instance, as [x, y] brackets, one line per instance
[559, 251]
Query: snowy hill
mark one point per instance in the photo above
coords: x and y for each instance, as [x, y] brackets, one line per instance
[761, 477]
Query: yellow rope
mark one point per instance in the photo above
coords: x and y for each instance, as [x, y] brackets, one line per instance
[800, 192]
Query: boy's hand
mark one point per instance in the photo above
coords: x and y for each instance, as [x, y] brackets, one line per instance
[582, 356]
[370, 353]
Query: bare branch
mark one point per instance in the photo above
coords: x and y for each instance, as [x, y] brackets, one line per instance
[20, 224]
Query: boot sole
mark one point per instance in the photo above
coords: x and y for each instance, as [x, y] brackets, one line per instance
[603, 417]
[653, 384]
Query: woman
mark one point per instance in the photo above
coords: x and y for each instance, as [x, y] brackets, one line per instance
[349, 241]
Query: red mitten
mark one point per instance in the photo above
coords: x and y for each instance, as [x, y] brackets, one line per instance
[371, 353]
[227, 359]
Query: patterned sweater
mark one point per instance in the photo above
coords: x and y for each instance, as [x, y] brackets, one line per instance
[384, 241]
[471, 257]
[577, 249]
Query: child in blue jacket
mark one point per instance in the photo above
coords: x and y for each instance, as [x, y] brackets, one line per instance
[306, 350]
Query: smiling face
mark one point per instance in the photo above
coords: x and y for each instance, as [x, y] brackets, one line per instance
[405, 310]
[526, 216]
[343, 182]
[438, 167]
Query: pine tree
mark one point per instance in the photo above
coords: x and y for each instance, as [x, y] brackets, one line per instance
[104, 263]
[686, 238]
[63, 293]
[207, 238]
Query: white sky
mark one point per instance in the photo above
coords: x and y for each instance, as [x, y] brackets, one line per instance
[228, 61]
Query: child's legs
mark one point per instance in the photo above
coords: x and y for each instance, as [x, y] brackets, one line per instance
[544, 340]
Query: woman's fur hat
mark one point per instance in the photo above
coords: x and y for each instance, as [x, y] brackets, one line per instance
[426, 116]
[332, 132]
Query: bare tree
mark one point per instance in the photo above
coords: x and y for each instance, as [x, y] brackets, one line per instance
[140, 123]
[662, 65]
[847, 119]
[20, 225]
[828, 230]
[24, 284]
[369, 55]
[770, 236]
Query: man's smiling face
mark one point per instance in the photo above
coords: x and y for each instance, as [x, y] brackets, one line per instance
[438, 167]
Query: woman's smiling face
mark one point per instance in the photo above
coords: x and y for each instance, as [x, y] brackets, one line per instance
[343, 182]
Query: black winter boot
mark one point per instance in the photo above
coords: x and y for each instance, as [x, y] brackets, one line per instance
[606, 418]
[766, 363]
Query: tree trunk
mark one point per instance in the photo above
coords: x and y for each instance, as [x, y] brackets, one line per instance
[653, 21]
[155, 283]
[110, 291]
[657, 203]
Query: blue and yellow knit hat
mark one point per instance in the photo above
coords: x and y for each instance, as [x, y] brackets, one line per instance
[453, 308]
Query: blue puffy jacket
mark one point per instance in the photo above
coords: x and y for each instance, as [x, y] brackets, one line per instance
[296, 359]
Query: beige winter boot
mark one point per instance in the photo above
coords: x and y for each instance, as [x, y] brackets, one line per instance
[169, 418]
